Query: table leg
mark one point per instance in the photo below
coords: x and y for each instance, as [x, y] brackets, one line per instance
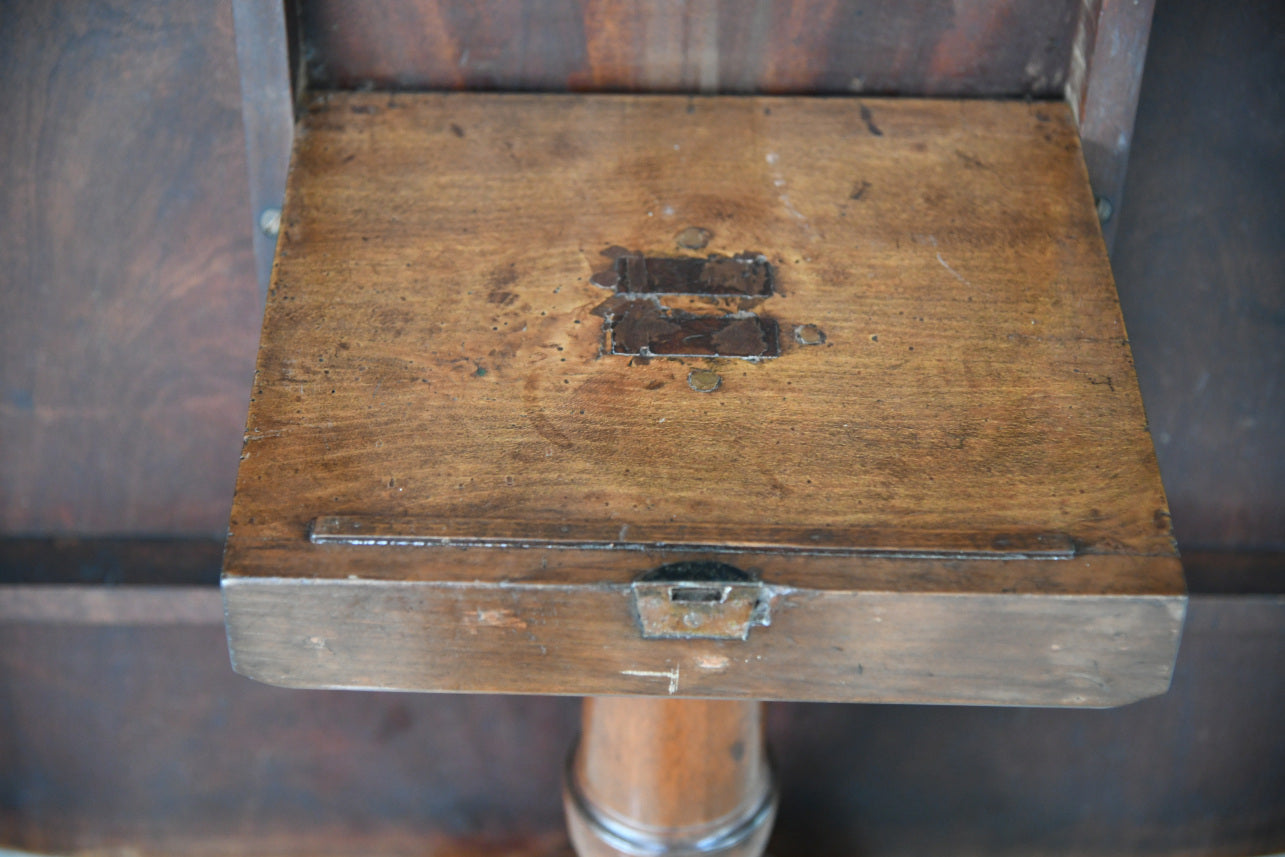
[670, 777]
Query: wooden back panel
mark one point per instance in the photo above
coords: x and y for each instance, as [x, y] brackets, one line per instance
[918, 47]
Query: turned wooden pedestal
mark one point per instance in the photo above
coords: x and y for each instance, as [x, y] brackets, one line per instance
[659, 400]
[669, 776]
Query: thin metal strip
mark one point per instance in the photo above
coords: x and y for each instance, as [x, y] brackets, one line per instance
[703, 538]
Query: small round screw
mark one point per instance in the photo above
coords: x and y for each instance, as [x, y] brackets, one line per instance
[270, 222]
[1105, 209]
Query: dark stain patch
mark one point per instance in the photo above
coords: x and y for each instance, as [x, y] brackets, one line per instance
[745, 274]
[615, 251]
[737, 750]
[364, 108]
[654, 385]
[611, 307]
[859, 190]
[1102, 380]
[506, 276]
[606, 279]
[868, 118]
[636, 325]
[970, 161]
[501, 297]
[457, 130]
[645, 327]
[744, 337]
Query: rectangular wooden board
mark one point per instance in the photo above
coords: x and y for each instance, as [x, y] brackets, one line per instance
[942, 482]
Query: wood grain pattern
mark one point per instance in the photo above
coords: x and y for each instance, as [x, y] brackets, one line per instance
[669, 776]
[127, 297]
[431, 352]
[925, 47]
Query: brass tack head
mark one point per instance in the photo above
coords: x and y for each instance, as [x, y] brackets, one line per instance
[693, 238]
[704, 380]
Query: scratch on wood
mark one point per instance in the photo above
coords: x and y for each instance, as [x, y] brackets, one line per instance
[499, 619]
[952, 270]
[256, 434]
[671, 674]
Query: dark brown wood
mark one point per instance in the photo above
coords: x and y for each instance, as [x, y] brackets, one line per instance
[433, 361]
[112, 561]
[669, 776]
[1229, 573]
[128, 309]
[925, 47]
[1200, 263]
[140, 738]
[1103, 85]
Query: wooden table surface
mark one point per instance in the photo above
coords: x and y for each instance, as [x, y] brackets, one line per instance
[943, 482]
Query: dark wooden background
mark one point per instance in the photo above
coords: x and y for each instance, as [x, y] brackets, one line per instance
[129, 315]
[924, 47]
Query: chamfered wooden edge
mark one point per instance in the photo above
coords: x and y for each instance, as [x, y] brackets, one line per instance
[880, 632]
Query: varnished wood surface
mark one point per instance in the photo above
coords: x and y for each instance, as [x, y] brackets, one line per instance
[925, 47]
[665, 775]
[431, 353]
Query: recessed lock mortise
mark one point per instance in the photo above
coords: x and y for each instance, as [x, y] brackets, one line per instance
[699, 594]
[700, 600]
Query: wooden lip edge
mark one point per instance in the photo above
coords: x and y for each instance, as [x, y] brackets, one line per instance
[1092, 575]
[1103, 704]
[1176, 609]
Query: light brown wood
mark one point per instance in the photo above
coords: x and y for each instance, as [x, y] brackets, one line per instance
[432, 364]
[668, 776]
